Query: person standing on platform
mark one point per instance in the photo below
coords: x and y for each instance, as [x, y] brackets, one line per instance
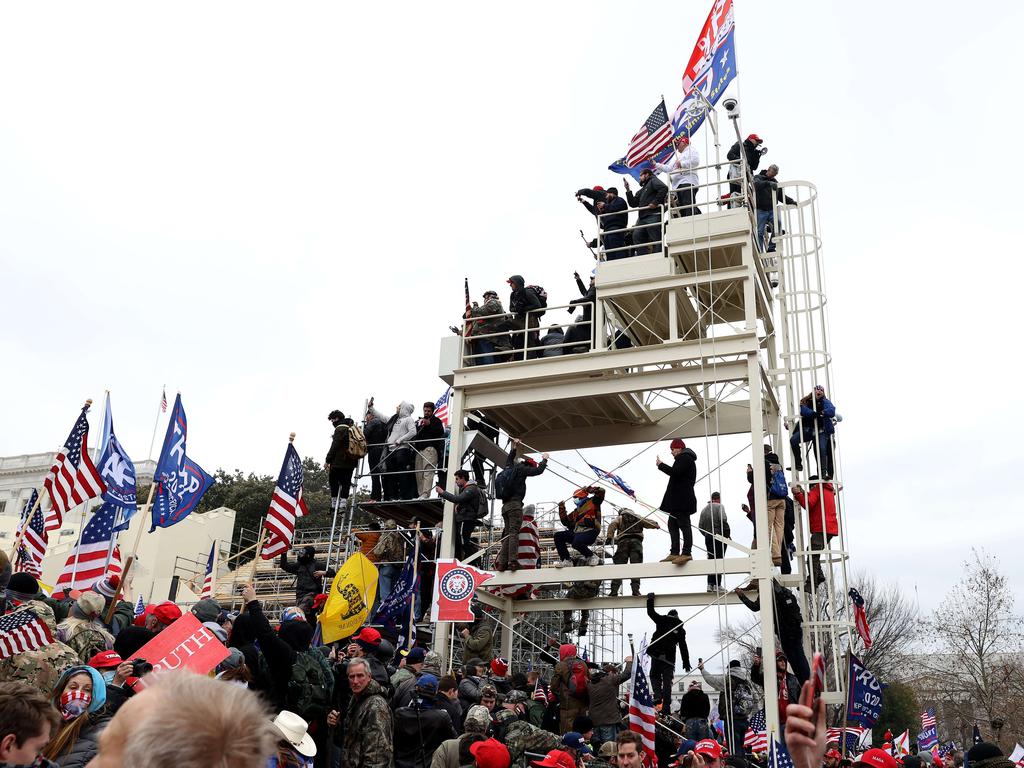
[400, 482]
[649, 200]
[713, 520]
[428, 445]
[679, 502]
[510, 487]
[766, 194]
[376, 434]
[523, 303]
[626, 532]
[682, 175]
[580, 333]
[668, 633]
[488, 318]
[470, 506]
[751, 147]
[339, 464]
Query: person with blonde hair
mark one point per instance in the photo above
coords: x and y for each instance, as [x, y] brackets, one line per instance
[185, 719]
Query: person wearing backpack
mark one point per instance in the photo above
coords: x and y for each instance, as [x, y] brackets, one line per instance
[570, 682]
[582, 526]
[679, 501]
[510, 487]
[340, 464]
[778, 490]
[525, 304]
[737, 702]
[470, 508]
[311, 685]
[694, 710]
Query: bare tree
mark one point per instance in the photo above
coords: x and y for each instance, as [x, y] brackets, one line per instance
[976, 655]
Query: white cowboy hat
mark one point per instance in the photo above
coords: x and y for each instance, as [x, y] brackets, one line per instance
[293, 728]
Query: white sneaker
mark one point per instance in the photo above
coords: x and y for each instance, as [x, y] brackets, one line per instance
[593, 560]
[560, 563]
[712, 588]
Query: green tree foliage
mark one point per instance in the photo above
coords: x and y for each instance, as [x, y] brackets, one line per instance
[901, 711]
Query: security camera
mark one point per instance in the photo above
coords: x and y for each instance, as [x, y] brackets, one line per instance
[732, 108]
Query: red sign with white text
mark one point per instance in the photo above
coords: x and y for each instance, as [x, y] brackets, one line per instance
[185, 644]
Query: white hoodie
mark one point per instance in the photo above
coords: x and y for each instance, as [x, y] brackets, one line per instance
[405, 425]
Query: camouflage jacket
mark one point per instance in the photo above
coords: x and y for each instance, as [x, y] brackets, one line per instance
[84, 640]
[368, 740]
[521, 737]
[41, 668]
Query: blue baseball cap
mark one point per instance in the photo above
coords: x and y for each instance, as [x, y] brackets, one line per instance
[575, 740]
[427, 684]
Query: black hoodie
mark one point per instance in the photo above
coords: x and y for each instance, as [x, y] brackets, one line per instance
[522, 300]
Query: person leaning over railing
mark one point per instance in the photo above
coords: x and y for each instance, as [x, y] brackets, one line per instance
[649, 199]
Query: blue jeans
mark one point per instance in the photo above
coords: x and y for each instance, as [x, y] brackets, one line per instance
[580, 542]
[763, 217]
[483, 347]
[603, 733]
[387, 575]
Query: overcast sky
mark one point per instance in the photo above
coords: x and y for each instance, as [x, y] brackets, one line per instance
[271, 209]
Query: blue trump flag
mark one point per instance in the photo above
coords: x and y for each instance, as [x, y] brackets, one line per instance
[864, 704]
[622, 484]
[181, 482]
[118, 472]
[688, 117]
[393, 612]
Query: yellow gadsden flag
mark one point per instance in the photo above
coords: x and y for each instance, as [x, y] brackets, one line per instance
[351, 596]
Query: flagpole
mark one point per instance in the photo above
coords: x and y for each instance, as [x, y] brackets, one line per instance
[103, 423]
[159, 410]
[135, 548]
[412, 600]
[78, 546]
[39, 500]
[213, 569]
[259, 548]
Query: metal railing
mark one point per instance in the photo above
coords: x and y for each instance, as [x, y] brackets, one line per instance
[520, 339]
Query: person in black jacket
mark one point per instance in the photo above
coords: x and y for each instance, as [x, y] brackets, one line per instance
[753, 152]
[468, 506]
[580, 332]
[421, 727]
[339, 464]
[309, 574]
[523, 303]
[513, 493]
[376, 433]
[612, 219]
[649, 199]
[279, 656]
[679, 502]
[788, 626]
[428, 443]
[668, 633]
[766, 194]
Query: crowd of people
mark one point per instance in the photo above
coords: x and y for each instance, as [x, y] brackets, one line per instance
[280, 699]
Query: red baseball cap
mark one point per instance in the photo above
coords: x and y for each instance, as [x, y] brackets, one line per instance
[167, 612]
[105, 660]
[709, 748]
[490, 753]
[556, 758]
[368, 635]
[597, 188]
[879, 758]
[754, 138]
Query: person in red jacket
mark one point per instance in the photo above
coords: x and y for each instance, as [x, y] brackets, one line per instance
[820, 503]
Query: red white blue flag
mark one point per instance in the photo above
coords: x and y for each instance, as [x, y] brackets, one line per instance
[72, 479]
[286, 507]
[642, 714]
[441, 408]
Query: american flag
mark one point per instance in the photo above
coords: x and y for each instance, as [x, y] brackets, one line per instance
[622, 484]
[779, 757]
[34, 540]
[286, 507]
[163, 401]
[208, 579]
[539, 694]
[642, 715]
[860, 617]
[73, 478]
[529, 552]
[853, 737]
[756, 737]
[928, 719]
[945, 749]
[22, 631]
[91, 552]
[652, 137]
[441, 406]
[140, 607]
[114, 567]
